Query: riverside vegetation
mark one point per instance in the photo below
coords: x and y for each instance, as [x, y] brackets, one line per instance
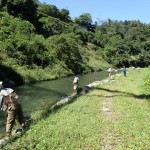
[41, 42]
[114, 115]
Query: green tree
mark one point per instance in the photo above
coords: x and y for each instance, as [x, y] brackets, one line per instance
[65, 14]
[48, 10]
[26, 9]
[66, 48]
[84, 19]
[52, 26]
[13, 32]
[37, 52]
[45, 10]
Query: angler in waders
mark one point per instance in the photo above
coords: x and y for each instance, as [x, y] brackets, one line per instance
[75, 84]
[9, 102]
[110, 73]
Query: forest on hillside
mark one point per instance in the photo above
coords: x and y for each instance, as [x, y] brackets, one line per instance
[40, 42]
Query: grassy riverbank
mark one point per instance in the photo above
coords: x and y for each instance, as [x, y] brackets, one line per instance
[115, 115]
[20, 74]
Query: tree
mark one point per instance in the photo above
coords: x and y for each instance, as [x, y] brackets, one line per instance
[52, 26]
[84, 19]
[48, 10]
[65, 48]
[25, 9]
[64, 14]
[45, 10]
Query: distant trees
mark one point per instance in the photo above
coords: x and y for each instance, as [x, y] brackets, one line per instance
[45, 10]
[45, 39]
[48, 10]
[18, 39]
[25, 9]
[65, 14]
[66, 48]
[52, 26]
[123, 42]
[84, 19]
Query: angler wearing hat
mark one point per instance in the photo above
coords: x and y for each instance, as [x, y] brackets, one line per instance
[109, 73]
[9, 102]
[76, 84]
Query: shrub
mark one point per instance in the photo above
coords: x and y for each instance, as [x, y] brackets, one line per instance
[147, 83]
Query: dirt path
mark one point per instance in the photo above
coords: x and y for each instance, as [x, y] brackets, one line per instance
[109, 141]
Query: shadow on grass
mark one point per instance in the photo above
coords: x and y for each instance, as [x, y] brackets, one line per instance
[142, 96]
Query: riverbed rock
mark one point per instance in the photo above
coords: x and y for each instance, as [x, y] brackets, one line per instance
[85, 89]
[105, 81]
[94, 84]
[62, 102]
[6, 140]
[118, 75]
[131, 67]
[112, 81]
[2, 142]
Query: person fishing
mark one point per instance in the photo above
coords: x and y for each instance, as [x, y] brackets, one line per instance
[110, 73]
[124, 71]
[76, 84]
[9, 101]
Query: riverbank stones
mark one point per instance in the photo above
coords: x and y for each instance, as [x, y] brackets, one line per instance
[2, 142]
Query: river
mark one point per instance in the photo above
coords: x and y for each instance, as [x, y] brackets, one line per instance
[37, 95]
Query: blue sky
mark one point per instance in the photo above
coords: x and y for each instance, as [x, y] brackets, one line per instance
[104, 9]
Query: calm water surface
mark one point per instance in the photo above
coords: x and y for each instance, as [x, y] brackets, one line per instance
[36, 96]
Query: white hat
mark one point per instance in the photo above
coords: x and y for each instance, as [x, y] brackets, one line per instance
[109, 70]
[9, 90]
[6, 92]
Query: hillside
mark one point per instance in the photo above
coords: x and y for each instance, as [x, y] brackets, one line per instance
[29, 54]
[50, 44]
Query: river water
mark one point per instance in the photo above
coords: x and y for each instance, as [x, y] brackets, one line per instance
[35, 96]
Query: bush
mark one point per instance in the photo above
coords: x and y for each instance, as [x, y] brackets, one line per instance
[147, 83]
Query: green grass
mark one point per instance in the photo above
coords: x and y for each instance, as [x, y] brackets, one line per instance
[95, 62]
[131, 108]
[82, 125]
[75, 126]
